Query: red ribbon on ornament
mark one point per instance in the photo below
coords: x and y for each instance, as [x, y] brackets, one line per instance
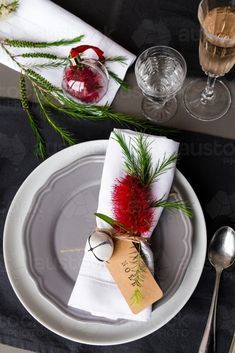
[74, 52]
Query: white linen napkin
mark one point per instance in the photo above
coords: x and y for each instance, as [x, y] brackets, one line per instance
[42, 20]
[94, 290]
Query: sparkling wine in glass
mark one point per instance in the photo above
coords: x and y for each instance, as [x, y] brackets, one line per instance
[160, 72]
[211, 100]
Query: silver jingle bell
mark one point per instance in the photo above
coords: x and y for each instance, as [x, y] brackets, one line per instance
[100, 245]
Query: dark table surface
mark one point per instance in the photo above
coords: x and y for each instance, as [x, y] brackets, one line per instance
[207, 162]
[138, 25]
[209, 165]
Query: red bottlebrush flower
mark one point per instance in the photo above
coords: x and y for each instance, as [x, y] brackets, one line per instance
[83, 83]
[131, 204]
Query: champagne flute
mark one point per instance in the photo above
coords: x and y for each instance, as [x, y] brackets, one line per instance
[160, 72]
[211, 100]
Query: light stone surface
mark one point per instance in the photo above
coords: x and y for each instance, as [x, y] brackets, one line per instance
[130, 102]
[8, 349]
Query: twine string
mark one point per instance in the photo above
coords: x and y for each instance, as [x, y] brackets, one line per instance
[122, 236]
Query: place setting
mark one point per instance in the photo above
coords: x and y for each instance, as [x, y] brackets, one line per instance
[48, 257]
[105, 241]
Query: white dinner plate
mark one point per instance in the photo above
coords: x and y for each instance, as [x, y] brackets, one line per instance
[42, 307]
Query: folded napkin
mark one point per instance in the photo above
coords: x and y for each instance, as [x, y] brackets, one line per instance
[42, 20]
[95, 291]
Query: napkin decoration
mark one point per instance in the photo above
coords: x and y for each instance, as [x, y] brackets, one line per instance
[38, 46]
[133, 210]
[44, 21]
[85, 78]
[136, 180]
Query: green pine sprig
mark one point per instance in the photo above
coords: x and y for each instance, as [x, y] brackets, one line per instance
[174, 205]
[138, 267]
[65, 135]
[41, 81]
[34, 55]
[163, 166]
[78, 111]
[137, 297]
[53, 61]
[138, 159]
[49, 65]
[29, 44]
[40, 143]
[144, 159]
[116, 78]
[130, 159]
[7, 8]
[137, 274]
[120, 59]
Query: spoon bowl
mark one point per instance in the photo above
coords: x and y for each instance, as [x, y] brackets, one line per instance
[221, 254]
[221, 251]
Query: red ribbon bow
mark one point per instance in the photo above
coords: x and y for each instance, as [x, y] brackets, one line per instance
[74, 52]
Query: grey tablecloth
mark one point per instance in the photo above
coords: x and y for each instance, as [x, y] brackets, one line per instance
[209, 165]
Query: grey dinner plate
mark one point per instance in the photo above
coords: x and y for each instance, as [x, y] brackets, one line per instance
[61, 217]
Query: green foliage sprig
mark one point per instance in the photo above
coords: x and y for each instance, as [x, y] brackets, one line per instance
[53, 61]
[174, 205]
[138, 160]
[113, 75]
[138, 269]
[41, 81]
[51, 98]
[65, 135]
[38, 55]
[8, 8]
[118, 80]
[29, 44]
[120, 59]
[40, 143]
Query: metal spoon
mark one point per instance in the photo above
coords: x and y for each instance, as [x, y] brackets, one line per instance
[221, 254]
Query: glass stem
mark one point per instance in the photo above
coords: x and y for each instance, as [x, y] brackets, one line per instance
[159, 103]
[208, 92]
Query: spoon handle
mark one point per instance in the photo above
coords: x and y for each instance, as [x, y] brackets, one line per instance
[232, 347]
[204, 346]
[214, 320]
